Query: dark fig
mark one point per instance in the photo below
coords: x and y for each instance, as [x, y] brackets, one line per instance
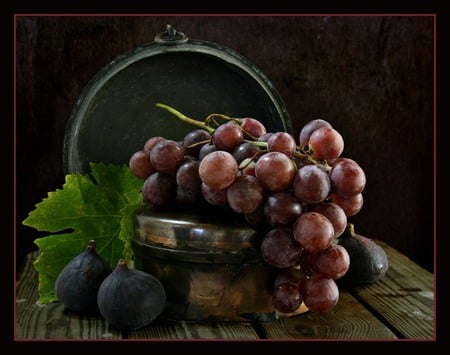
[368, 261]
[77, 284]
[129, 298]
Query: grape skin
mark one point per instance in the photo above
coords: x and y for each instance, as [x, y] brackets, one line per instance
[245, 194]
[252, 128]
[335, 215]
[347, 178]
[282, 142]
[215, 197]
[313, 231]
[150, 143]
[286, 297]
[187, 176]
[351, 206]
[227, 136]
[192, 139]
[282, 209]
[326, 143]
[320, 294]
[275, 171]
[309, 128]
[311, 184]
[332, 262]
[218, 169]
[159, 190]
[291, 275]
[140, 164]
[245, 150]
[166, 156]
[280, 249]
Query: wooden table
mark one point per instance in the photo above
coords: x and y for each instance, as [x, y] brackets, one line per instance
[399, 306]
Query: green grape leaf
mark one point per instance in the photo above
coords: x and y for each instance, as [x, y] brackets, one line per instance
[96, 206]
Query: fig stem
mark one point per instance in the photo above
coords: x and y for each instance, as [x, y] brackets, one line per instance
[349, 231]
[185, 118]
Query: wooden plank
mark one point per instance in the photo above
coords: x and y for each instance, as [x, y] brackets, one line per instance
[404, 298]
[51, 321]
[347, 320]
[196, 330]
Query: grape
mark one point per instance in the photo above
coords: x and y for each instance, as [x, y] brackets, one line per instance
[282, 209]
[280, 249]
[289, 275]
[192, 142]
[245, 194]
[166, 156]
[252, 128]
[320, 294]
[215, 197]
[286, 297]
[245, 150]
[218, 169]
[205, 150]
[347, 177]
[332, 262]
[159, 189]
[265, 137]
[140, 164]
[282, 142]
[313, 231]
[311, 184]
[299, 197]
[148, 146]
[335, 215]
[227, 136]
[309, 128]
[188, 177]
[186, 198]
[351, 205]
[257, 218]
[275, 171]
[326, 143]
[247, 166]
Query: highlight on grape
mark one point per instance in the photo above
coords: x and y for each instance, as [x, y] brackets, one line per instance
[300, 190]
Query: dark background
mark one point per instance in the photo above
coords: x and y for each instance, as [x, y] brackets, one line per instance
[370, 76]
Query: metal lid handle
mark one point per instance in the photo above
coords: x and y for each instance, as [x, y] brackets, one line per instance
[171, 37]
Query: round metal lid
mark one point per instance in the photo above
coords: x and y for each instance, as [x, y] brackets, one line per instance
[116, 113]
[201, 238]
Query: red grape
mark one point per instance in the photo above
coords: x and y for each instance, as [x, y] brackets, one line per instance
[326, 143]
[320, 294]
[313, 231]
[275, 171]
[245, 194]
[280, 249]
[218, 169]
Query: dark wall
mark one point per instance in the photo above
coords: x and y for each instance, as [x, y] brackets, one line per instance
[371, 77]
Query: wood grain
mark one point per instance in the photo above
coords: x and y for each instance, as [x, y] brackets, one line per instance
[348, 320]
[404, 298]
[400, 305]
[194, 330]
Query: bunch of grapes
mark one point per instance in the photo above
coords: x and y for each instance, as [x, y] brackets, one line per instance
[300, 192]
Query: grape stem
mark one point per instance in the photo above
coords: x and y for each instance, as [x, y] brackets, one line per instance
[302, 155]
[185, 118]
[298, 153]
